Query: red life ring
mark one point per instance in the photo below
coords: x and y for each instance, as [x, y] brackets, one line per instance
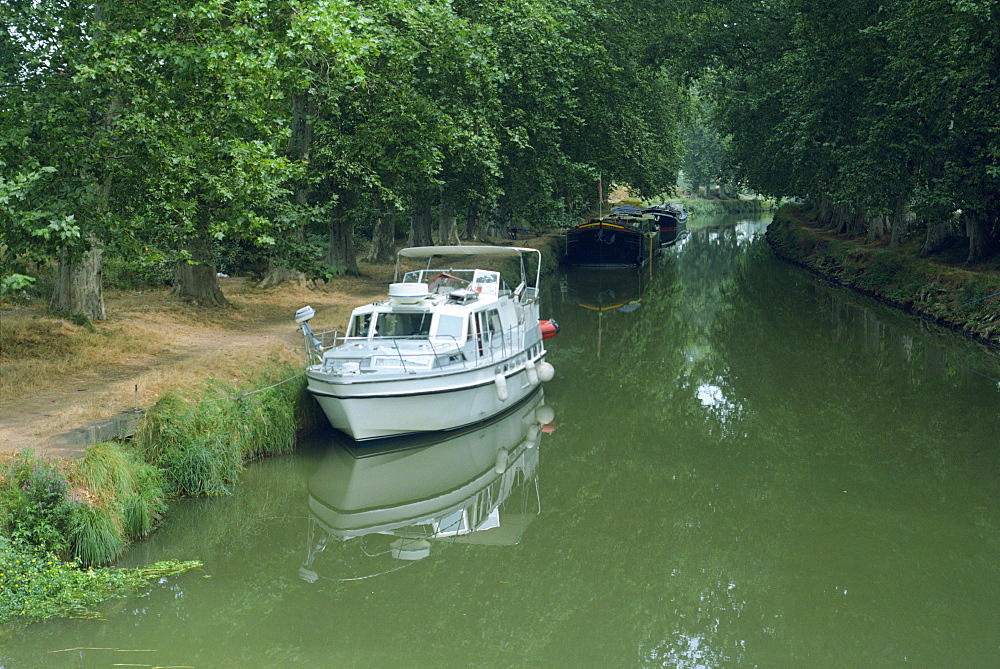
[549, 328]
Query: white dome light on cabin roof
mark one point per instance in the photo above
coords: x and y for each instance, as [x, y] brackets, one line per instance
[408, 293]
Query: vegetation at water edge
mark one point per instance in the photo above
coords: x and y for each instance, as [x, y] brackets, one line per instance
[37, 584]
[946, 292]
[56, 518]
[201, 441]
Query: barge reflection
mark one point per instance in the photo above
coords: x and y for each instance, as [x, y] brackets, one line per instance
[388, 503]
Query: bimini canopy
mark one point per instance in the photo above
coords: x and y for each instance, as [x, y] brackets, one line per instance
[432, 251]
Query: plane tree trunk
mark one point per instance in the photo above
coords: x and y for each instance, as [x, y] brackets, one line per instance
[383, 248]
[198, 279]
[79, 285]
[341, 254]
[420, 227]
[448, 226]
[78, 289]
[900, 221]
[978, 234]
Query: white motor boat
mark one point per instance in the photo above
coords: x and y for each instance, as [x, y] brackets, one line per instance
[449, 348]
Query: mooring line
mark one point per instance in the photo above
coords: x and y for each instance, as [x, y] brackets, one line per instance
[247, 394]
[980, 299]
[985, 376]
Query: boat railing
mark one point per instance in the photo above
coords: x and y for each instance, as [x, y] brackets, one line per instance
[318, 342]
[496, 346]
[445, 351]
[441, 351]
[529, 296]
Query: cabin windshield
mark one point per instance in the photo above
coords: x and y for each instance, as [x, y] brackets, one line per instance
[444, 281]
[401, 324]
[360, 326]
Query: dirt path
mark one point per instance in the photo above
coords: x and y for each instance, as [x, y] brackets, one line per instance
[150, 344]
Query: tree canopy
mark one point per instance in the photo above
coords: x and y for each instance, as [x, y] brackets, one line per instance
[171, 130]
[156, 129]
[868, 109]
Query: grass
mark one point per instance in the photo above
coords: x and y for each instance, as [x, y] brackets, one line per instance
[97, 535]
[202, 440]
[127, 501]
[38, 350]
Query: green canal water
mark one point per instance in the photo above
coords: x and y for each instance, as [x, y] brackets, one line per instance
[736, 465]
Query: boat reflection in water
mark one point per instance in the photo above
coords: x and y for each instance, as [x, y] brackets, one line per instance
[389, 503]
[601, 289]
[604, 291]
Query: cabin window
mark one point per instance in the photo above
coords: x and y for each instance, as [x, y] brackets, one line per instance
[360, 325]
[490, 328]
[396, 324]
[450, 327]
[492, 319]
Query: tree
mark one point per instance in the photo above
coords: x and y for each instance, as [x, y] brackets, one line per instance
[862, 109]
[209, 132]
[59, 117]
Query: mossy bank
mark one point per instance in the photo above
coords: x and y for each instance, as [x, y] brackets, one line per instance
[962, 299]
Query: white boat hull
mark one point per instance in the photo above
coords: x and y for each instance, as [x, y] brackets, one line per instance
[392, 407]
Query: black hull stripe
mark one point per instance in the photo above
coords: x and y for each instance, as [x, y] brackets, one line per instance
[400, 395]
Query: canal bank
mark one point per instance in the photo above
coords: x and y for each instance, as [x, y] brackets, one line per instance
[964, 300]
[209, 391]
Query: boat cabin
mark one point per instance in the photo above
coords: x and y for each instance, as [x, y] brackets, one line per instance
[435, 319]
[436, 305]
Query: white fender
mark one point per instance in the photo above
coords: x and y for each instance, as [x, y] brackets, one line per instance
[532, 371]
[501, 465]
[501, 383]
[544, 414]
[546, 371]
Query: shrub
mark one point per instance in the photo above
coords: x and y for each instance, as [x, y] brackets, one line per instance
[35, 503]
[153, 271]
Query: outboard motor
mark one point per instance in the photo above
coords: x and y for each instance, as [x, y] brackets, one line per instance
[302, 317]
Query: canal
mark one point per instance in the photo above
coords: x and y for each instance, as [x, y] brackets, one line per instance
[736, 465]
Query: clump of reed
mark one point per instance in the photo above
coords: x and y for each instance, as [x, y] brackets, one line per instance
[202, 441]
[127, 502]
[184, 446]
